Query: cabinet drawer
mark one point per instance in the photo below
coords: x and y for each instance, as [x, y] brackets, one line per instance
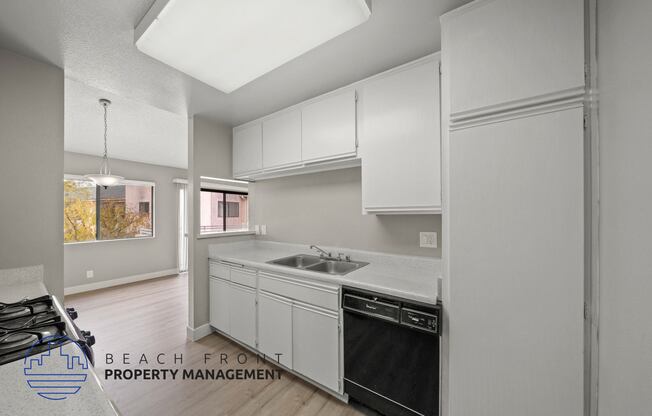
[244, 277]
[216, 269]
[318, 294]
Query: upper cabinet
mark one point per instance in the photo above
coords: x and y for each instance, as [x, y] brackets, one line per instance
[282, 139]
[328, 128]
[317, 135]
[485, 78]
[400, 140]
[388, 123]
[247, 149]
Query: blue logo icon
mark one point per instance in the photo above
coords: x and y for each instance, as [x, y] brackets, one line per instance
[55, 374]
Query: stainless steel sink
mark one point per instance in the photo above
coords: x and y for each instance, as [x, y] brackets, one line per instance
[319, 264]
[336, 267]
[300, 261]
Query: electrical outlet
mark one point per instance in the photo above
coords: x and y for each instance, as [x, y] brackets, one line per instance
[89, 274]
[428, 239]
[257, 229]
[263, 229]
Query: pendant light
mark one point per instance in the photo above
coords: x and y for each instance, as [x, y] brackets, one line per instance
[104, 178]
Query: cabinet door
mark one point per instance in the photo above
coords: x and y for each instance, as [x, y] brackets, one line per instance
[247, 149]
[400, 141]
[507, 53]
[219, 304]
[329, 127]
[521, 182]
[275, 328]
[242, 314]
[315, 344]
[282, 140]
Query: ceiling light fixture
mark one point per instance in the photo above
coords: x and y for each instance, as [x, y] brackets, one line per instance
[228, 43]
[104, 178]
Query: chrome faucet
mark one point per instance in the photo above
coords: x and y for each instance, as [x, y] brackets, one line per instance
[322, 253]
[343, 257]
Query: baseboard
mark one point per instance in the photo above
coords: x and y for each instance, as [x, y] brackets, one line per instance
[195, 334]
[117, 282]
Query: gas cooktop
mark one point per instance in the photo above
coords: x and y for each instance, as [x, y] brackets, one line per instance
[33, 326]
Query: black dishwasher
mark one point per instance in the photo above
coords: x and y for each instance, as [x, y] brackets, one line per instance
[391, 353]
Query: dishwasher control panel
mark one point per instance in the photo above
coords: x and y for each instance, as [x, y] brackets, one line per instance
[421, 320]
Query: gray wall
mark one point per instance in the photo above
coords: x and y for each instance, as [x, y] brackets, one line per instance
[116, 259]
[326, 208]
[209, 154]
[31, 166]
[624, 65]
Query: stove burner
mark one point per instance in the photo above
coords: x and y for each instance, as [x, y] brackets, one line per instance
[25, 307]
[40, 318]
[33, 326]
[29, 326]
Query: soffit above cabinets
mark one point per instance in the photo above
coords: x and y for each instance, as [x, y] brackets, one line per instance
[229, 43]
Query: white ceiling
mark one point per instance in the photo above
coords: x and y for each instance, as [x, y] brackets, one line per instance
[93, 41]
[136, 131]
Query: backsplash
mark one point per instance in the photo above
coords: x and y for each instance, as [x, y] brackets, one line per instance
[326, 208]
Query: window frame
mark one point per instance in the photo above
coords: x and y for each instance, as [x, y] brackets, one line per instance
[224, 192]
[123, 182]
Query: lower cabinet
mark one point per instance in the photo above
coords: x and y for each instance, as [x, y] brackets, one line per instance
[315, 344]
[242, 313]
[275, 327]
[278, 316]
[219, 304]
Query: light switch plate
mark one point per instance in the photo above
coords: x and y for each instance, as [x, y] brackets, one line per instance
[89, 274]
[428, 239]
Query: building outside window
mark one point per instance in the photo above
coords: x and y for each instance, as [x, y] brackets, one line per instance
[96, 213]
[223, 211]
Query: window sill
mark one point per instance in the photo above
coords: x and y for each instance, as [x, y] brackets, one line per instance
[225, 234]
[75, 243]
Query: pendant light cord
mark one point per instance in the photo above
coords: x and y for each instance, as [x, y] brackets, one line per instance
[106, 126]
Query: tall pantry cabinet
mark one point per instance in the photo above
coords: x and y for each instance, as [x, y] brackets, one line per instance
[513, 90]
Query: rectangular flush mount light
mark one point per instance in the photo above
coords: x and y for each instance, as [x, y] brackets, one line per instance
[228, 43]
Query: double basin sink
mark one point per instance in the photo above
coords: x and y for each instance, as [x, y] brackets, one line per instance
[319, 264]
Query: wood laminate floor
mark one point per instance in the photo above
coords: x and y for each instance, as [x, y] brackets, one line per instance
[150, 318]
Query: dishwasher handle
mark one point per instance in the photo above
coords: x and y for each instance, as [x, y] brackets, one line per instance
[371, 307]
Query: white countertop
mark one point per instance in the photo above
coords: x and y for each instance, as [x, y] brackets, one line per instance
[408, 277]
[17, 397]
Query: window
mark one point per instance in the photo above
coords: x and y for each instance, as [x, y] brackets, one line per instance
[232, 209]
[223, 211]
[122, 211]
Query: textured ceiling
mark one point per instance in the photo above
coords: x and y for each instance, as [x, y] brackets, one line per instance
[93, 41]
[137, 131]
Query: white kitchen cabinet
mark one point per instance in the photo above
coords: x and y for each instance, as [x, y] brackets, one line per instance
[219, 304]
[275, 327]
[509, 53]
[242, 313]
[247, 149]
[315, 344]
[328, 127]
[319, 294]
[282, 139]
[400, 140]
[502, 183]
